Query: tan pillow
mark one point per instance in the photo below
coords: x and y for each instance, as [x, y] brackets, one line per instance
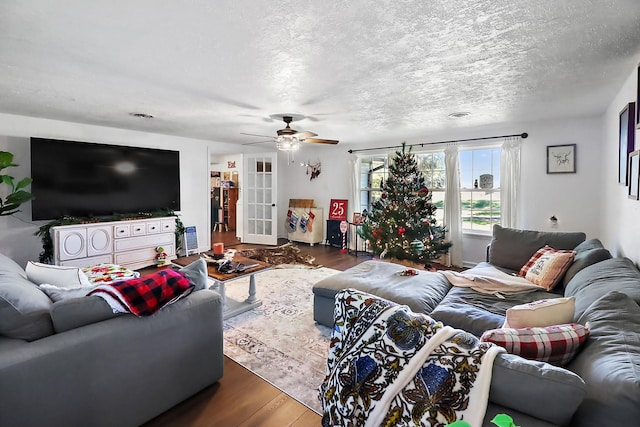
[548, 266]
[545, 312]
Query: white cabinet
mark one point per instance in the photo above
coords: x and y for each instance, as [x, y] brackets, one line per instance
[316, 235]
[131, 244]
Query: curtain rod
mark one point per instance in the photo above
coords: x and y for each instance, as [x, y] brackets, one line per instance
[422, 144]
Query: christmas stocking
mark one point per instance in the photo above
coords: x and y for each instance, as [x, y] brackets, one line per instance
[303, 222]
[293, 221]
[310, 218]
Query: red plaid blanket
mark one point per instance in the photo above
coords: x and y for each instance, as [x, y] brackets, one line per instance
[145, 295]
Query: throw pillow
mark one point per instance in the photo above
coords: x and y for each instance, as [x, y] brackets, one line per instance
[547, 266]
[56, 293]
[24, 309]
[107, 273]
[553, 344]
[197, 274]
[56, 275]
[544, 312]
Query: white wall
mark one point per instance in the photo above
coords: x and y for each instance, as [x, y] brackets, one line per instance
[621, 216]
[572, 198]
[17, 239]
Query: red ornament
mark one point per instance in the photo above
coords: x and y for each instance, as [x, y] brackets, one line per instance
[423, 191]
[401, 231]
[383, 196]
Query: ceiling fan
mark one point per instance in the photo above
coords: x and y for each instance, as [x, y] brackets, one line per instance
[289, 139]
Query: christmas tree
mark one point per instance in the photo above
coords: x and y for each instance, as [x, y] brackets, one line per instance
[401, 223]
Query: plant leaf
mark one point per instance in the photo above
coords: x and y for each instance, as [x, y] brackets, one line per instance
[24, 182]
[6, 159]
[19, 197]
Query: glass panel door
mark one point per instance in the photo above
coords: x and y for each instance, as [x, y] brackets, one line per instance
[260, 220]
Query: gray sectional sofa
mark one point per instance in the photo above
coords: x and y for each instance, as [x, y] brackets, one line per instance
[75, 363]
[600, 386]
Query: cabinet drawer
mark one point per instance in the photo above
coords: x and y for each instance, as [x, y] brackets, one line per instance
[168, 225]
[121, 230]
[151, 241]
[138, 229]
[153, 227]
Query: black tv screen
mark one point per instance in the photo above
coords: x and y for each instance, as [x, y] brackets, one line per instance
[84, 179]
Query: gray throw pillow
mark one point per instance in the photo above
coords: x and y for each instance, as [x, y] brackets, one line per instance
[24, 309]
[610, 363]
[597, 280]
[56, 293]
[76, 312]
[512, 248]
[196, 272]
[584, 258]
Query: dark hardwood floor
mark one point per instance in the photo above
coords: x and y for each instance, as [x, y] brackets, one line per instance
[241, 398]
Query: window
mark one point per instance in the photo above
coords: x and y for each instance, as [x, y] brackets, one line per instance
[375, 169]
[480, 197]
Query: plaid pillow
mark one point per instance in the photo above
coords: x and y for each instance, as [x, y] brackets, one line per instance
[547, 266]
[554, 344]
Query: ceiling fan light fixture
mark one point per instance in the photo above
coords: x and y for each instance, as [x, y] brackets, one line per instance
[287, 143]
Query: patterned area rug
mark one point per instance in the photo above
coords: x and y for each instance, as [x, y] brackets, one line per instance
[279, 341]
[283, 256]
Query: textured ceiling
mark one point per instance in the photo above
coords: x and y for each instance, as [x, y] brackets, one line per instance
[359, 70]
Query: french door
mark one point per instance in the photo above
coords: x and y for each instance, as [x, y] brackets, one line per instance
[260, 214]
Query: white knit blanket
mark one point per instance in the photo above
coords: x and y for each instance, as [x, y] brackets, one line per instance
[389, 366]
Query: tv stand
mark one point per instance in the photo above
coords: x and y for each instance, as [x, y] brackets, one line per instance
[131, 244]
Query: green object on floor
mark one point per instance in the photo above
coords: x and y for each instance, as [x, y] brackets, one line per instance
[501, 420]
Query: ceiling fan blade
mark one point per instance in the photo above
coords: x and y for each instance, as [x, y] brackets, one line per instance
[253, 134]
[305, 134]
[258, 142]
[321, 141]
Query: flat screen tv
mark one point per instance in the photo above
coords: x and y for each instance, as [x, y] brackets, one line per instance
[84, 179]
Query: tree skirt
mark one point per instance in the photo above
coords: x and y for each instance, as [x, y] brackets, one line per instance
[279, 341]
[284, 256]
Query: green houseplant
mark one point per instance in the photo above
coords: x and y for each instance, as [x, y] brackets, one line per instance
[17, 195]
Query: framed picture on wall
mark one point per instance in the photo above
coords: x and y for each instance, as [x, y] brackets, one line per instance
[638, 98]
[561, 158]
[634, 175]
[626, 140]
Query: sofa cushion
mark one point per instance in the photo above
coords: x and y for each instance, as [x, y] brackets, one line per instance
[587, 253]
[56, 275]
[422, 293]
[547, 266]
[76, 312]
[540, 313]
[24, 309]
[555, 344]
[610, 363]
[464, 308]
[551, 393]
[597, 280]
[511, 248]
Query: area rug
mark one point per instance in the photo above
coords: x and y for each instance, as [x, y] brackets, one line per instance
[279, 341]
[283, 256]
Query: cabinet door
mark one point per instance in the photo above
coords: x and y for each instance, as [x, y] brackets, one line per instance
[71, 243]
[99, 240]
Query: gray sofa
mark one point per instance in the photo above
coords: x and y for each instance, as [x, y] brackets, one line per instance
[75, 363]
[599, 386]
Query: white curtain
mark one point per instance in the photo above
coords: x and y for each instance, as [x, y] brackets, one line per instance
[354, 197]
[452, 209]
[510, 181]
